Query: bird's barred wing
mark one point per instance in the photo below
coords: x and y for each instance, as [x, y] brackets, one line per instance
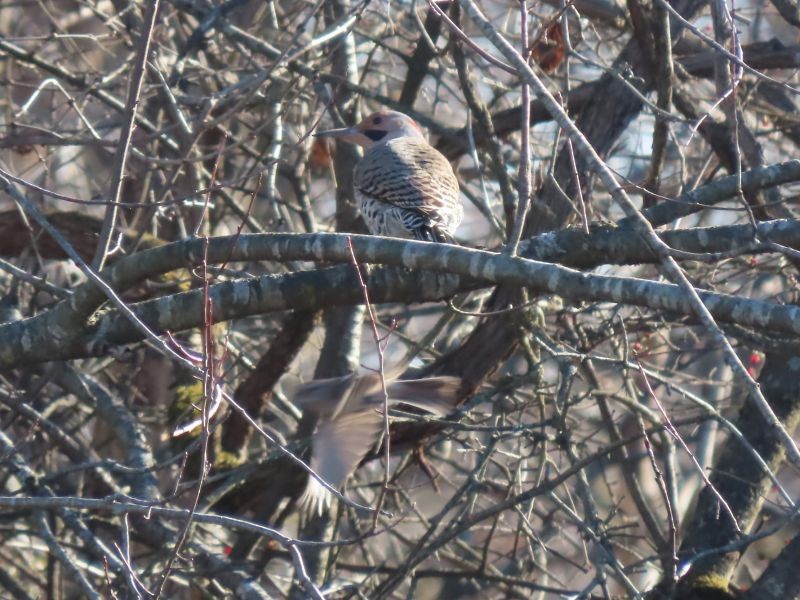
[410, 174]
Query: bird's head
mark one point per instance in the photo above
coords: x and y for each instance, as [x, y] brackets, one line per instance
[376, 129]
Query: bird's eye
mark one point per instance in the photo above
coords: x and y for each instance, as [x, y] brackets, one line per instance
[375, 134]
[376, 121]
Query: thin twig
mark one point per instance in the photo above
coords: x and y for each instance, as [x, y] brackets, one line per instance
[380, 351]
[126, 135]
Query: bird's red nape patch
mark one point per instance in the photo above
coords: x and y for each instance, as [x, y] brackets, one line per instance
[417, 126]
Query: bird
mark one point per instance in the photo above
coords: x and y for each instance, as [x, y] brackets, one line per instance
[548, 49]
[349, 414]
[404, 186]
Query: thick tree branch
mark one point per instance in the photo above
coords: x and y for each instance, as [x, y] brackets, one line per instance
[454, 269]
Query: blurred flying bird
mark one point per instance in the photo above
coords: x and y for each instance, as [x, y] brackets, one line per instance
[404, 186]
[349, 413]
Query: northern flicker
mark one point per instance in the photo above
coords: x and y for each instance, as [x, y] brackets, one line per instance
[404, 186]
[349, 413]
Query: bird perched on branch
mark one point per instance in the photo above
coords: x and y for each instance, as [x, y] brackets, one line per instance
[548, 49]
[404, 186]
[349, 413]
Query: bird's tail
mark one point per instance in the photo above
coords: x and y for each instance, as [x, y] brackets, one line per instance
[435, 233]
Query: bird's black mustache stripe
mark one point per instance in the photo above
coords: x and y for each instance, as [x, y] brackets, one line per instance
[375, 134]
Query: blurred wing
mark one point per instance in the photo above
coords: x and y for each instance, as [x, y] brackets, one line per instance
[324, 397]
[363, 387]
[338, 447]
[437, 395]
[344, 437]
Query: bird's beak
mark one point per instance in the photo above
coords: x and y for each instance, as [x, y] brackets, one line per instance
[351, 135]
[342, 132]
